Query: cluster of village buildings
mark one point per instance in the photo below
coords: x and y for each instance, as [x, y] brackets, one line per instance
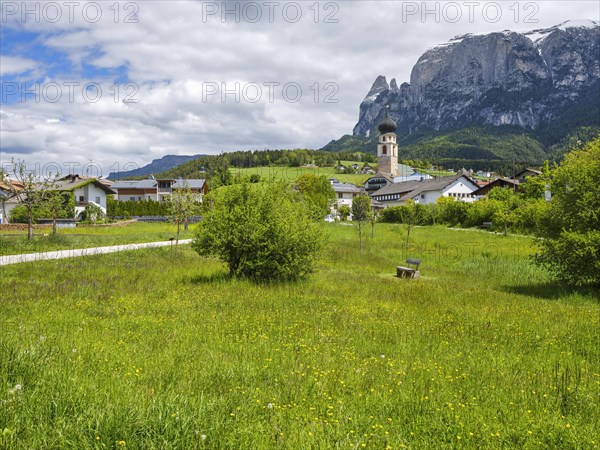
[392, 185]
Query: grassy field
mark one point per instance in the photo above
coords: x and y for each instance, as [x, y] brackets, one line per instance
[292, 173]
[15, 241]
[159, 349]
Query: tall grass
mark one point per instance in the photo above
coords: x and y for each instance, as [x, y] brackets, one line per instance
[15, 241]
[160, 349]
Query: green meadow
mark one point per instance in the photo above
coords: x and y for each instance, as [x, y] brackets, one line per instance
[160, 349]
[15, 241]
[292, 173]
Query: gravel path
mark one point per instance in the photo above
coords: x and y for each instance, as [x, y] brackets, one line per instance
[73, 253]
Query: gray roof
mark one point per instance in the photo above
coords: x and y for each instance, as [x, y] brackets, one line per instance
[71, 182]
[410, 189]
[346, 187]
[134, 184]
[192, 184]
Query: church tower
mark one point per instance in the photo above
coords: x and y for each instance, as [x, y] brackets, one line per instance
[387, 148]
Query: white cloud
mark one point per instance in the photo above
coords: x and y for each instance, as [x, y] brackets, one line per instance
[14, 65]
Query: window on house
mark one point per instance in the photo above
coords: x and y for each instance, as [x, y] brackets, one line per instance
[132, 199]
[81, 198]
[385, 149]
[98, 200]
[340, 195]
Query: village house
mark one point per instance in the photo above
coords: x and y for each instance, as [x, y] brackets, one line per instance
[159, 190]
[512, 183]
[498, 182]
[345, 193]
[7, 199]
[459, 187]
[367, 169]
[526, 173]
[86, 191]
[376, 182]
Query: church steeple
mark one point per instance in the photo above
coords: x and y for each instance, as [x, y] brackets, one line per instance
[387, 148]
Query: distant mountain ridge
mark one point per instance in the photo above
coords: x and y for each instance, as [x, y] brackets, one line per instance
[543, 84]
[155, 167]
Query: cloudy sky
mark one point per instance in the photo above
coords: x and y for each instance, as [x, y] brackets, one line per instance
[119, 84]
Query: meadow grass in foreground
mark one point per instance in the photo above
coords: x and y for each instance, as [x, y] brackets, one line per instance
[160, 349]
[13, 242]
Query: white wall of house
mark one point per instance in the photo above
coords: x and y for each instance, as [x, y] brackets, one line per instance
[345, 199]
[88, 193]
[427, 197]
[460, 191]
[8, 207]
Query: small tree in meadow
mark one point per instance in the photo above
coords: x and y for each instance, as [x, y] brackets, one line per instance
[413, 215]
[182, 207]
[58, 205]
[361, 209]
[261, 231]
[373, 217]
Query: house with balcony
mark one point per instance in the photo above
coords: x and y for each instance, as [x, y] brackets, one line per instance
[158, 190]
[345, 193]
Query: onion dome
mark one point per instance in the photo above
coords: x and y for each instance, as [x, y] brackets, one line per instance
[387, 125]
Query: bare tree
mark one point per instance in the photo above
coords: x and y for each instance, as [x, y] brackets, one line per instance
[30, 190]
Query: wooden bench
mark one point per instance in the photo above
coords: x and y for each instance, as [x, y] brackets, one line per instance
[409, 272]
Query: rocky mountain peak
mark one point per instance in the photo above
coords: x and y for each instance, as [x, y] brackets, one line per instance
[380, 85]
[528, 79]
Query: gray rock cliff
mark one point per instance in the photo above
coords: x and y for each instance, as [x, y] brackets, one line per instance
[525, 79]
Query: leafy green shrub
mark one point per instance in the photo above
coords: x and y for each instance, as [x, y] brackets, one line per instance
[115, 208]
[414, 213]
[19, 214]
[318, 193]
[261, 231]
[570, 244]
[92, 214]
[452, 212]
